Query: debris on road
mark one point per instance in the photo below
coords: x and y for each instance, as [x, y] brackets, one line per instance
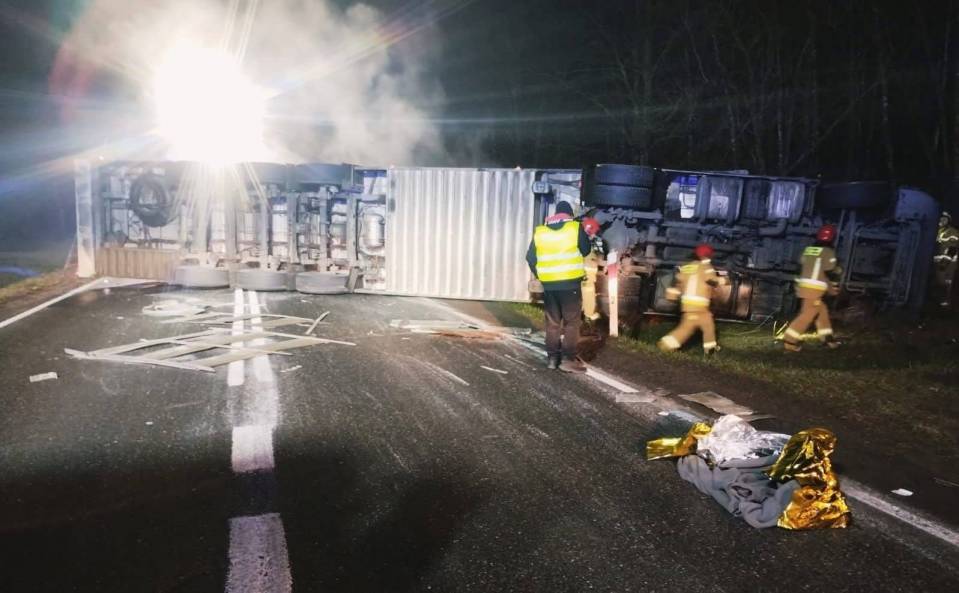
[945, 483]
[316, 323]
[170, 352]
[459, 329]
[902, 492]
[790, 485]
[717, 403]
[291, 369]
[149, 423]
[43, 377]
[492, 370]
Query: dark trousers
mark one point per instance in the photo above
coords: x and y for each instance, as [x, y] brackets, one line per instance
[563, 316]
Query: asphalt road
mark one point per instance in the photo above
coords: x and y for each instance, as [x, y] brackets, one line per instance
[398, 464]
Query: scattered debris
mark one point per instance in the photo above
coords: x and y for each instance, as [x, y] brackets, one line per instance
[165, 352]
[149, 423]
[291, 369]
[517, 361]
[492, 370]
[119, 318]
[718, 403]
[946, 483]
[663, 413]
[902, 492]
[43, 377]
[315, 323]
[459, 329]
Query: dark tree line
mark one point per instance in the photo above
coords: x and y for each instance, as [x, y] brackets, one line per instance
[846, 90]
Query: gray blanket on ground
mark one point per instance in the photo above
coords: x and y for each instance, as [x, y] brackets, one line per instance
[741, 487]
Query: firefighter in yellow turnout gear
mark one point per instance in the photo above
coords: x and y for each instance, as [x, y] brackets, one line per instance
[819, 271]
[695, 282]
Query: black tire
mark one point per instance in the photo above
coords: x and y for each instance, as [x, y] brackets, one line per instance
[150, 201]
[321, 174]
[261, 280]
[321, 283]
[632, 175]
[859, 194]
[196, 276]
[619, 196]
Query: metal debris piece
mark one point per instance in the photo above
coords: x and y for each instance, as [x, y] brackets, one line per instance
[946, 483]
[718, 403]
[492, 370]
[316, 323]
[144, 351]
[43, 377]
[902, 492]
[459, 329]
[291, 369]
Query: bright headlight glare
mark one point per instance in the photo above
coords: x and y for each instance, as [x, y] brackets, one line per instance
[206, 109]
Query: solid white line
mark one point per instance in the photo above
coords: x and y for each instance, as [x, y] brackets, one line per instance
[88, 286]
[857, 491]
[259, 560]
[261, 364]
[236, 369]
[252, 449]
[610, 380]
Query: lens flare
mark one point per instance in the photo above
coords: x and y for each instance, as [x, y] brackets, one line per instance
[206, 109]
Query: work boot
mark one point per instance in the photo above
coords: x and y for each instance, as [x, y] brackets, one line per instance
[791, 348]
[572, 366]
[552, 362]
[710, 352]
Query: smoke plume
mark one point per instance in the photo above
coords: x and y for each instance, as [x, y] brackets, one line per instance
[346, 85]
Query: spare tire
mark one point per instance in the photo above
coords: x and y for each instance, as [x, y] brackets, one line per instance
[632, 175]
[859, 194]
[150, 200]
[620, 196]
[197, 276]
[259, 279]
[321, 283]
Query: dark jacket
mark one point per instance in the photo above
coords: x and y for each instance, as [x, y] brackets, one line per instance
[584, 248]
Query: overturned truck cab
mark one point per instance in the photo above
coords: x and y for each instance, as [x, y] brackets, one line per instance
[758, 226]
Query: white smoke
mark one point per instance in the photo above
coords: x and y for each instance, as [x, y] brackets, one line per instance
[347, 85]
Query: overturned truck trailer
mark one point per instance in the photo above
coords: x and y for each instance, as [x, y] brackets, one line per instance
[462, 233]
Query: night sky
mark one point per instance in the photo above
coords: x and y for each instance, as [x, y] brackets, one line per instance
[852, 90]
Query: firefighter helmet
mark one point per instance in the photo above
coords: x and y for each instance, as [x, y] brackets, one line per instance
[826, 233]
[945, 219]
[591, 226]
[703, 251]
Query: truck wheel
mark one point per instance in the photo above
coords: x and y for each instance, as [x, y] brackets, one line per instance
[632, 175]
[620, 196]
[859, 194]
[150, 200]
[197, 276]
[321, 283]
[263, 280]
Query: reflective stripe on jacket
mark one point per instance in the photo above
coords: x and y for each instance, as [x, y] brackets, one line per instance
[818, 262]
[557, 253]
[695, 281]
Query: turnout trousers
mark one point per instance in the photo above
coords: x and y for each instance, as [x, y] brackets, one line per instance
[812, 310]
[564, 310]
[689, 323]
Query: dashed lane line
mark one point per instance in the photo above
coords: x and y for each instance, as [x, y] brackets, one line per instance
[259, 559]
[237, 369]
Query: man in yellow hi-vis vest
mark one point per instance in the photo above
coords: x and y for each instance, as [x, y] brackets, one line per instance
[695, 281]
[820, 270]
[555, 256]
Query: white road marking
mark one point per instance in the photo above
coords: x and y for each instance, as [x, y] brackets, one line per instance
[88, 286]
[261, 364]
[236, 369]
[259, 560]
[252, 449]
[857, 491]
[613, 382]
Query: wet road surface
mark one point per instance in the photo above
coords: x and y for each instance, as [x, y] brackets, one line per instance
[397, 464]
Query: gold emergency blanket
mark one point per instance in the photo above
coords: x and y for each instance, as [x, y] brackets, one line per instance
[818, 503]
[677, 446]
